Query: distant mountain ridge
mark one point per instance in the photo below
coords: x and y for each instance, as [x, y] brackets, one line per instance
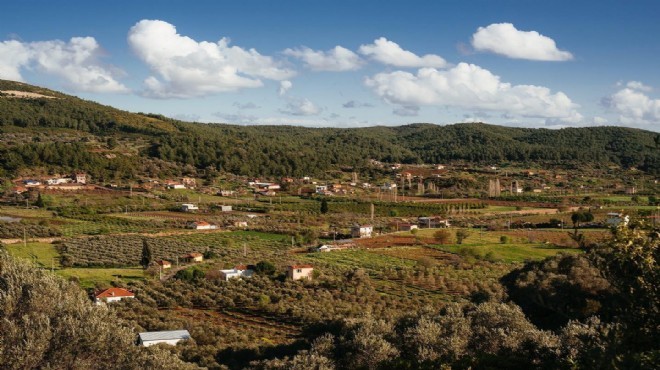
[66, 132]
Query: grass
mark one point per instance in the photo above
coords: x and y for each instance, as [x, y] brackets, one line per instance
[44, 254]
[91, 277]
[25, 213]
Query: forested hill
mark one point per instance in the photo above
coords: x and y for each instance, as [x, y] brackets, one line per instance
[53, 131]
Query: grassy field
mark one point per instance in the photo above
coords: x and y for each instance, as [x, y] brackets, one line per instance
[44, 254]
[90, 277]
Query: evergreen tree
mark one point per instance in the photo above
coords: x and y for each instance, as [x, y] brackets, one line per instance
[324, 206]
[40, 202]
[146, 254]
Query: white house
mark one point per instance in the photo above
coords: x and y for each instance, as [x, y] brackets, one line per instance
[29, 183]
[321, 189]
[225, 208]
[80, 177]
[112, 295]
[362, 231]
[238, 272]
[298, 272]
[58, 181]
[201, 225]
[187, 207]
[171, 337]
[407, 227]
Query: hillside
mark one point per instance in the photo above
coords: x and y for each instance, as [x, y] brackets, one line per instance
[52, 131]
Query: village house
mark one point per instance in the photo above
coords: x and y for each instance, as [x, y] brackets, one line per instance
[298, 272]
[407, 227]
[226, 193]
[80, 178]
[237, 272]
[266, 186]
[240, 224]
[164, 264]
[192, 257]
[200, 225]
[58, 181]
[362, 231]
[188, 207]
[171, 337]
[174, 185]
[31, 183]
[388, 186]
[225, 208]
[112, 295]
[432, 222]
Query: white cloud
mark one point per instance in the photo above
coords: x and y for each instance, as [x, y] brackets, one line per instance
[471, 87]
[187, 68]
[505, 39]
[76, 62]
[300, 107]
[634, 107]
[388, 52]
[285, 86]
[337, 59]
[14, 55]
[636, 85]
[599, 121]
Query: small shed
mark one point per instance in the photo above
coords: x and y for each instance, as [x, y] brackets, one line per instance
[171, 337]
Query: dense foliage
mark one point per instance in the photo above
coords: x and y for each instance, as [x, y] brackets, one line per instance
[284, 150]
[48, 323]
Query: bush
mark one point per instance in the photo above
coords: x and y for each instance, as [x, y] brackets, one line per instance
[442, 236]
[504, 239]
[461, 235]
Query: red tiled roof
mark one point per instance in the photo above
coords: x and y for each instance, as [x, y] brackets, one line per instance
[115, 292]
[163, 262]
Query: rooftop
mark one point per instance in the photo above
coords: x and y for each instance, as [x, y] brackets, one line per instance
[164, 335]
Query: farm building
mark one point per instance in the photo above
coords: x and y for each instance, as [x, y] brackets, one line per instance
[112, 295]
[239, 272]
[164, 264]
[407, 227]
[225, 208]
[193, 257]
[188, 207]
[171, 337]
[362, 231]
[298, 272]
[80, 177]
[200, 225]
[240, 224]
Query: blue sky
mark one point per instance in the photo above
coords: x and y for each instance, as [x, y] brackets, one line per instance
[347, 63]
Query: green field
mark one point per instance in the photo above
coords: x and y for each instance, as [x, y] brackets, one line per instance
[43, 254]
[90, 277]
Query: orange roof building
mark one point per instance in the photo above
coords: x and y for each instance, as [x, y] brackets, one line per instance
[113, 295]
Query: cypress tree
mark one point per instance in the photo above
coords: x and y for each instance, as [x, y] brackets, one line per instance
[146, 254]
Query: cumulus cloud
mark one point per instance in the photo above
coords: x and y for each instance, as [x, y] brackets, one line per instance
[285, 86]
[356, 104]
[14, 55]
[76, 62]
[187, 68]
[633, 105]
[505, 39]
[471, 87]
[388, 52]
[300, 107]
[337, 59]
